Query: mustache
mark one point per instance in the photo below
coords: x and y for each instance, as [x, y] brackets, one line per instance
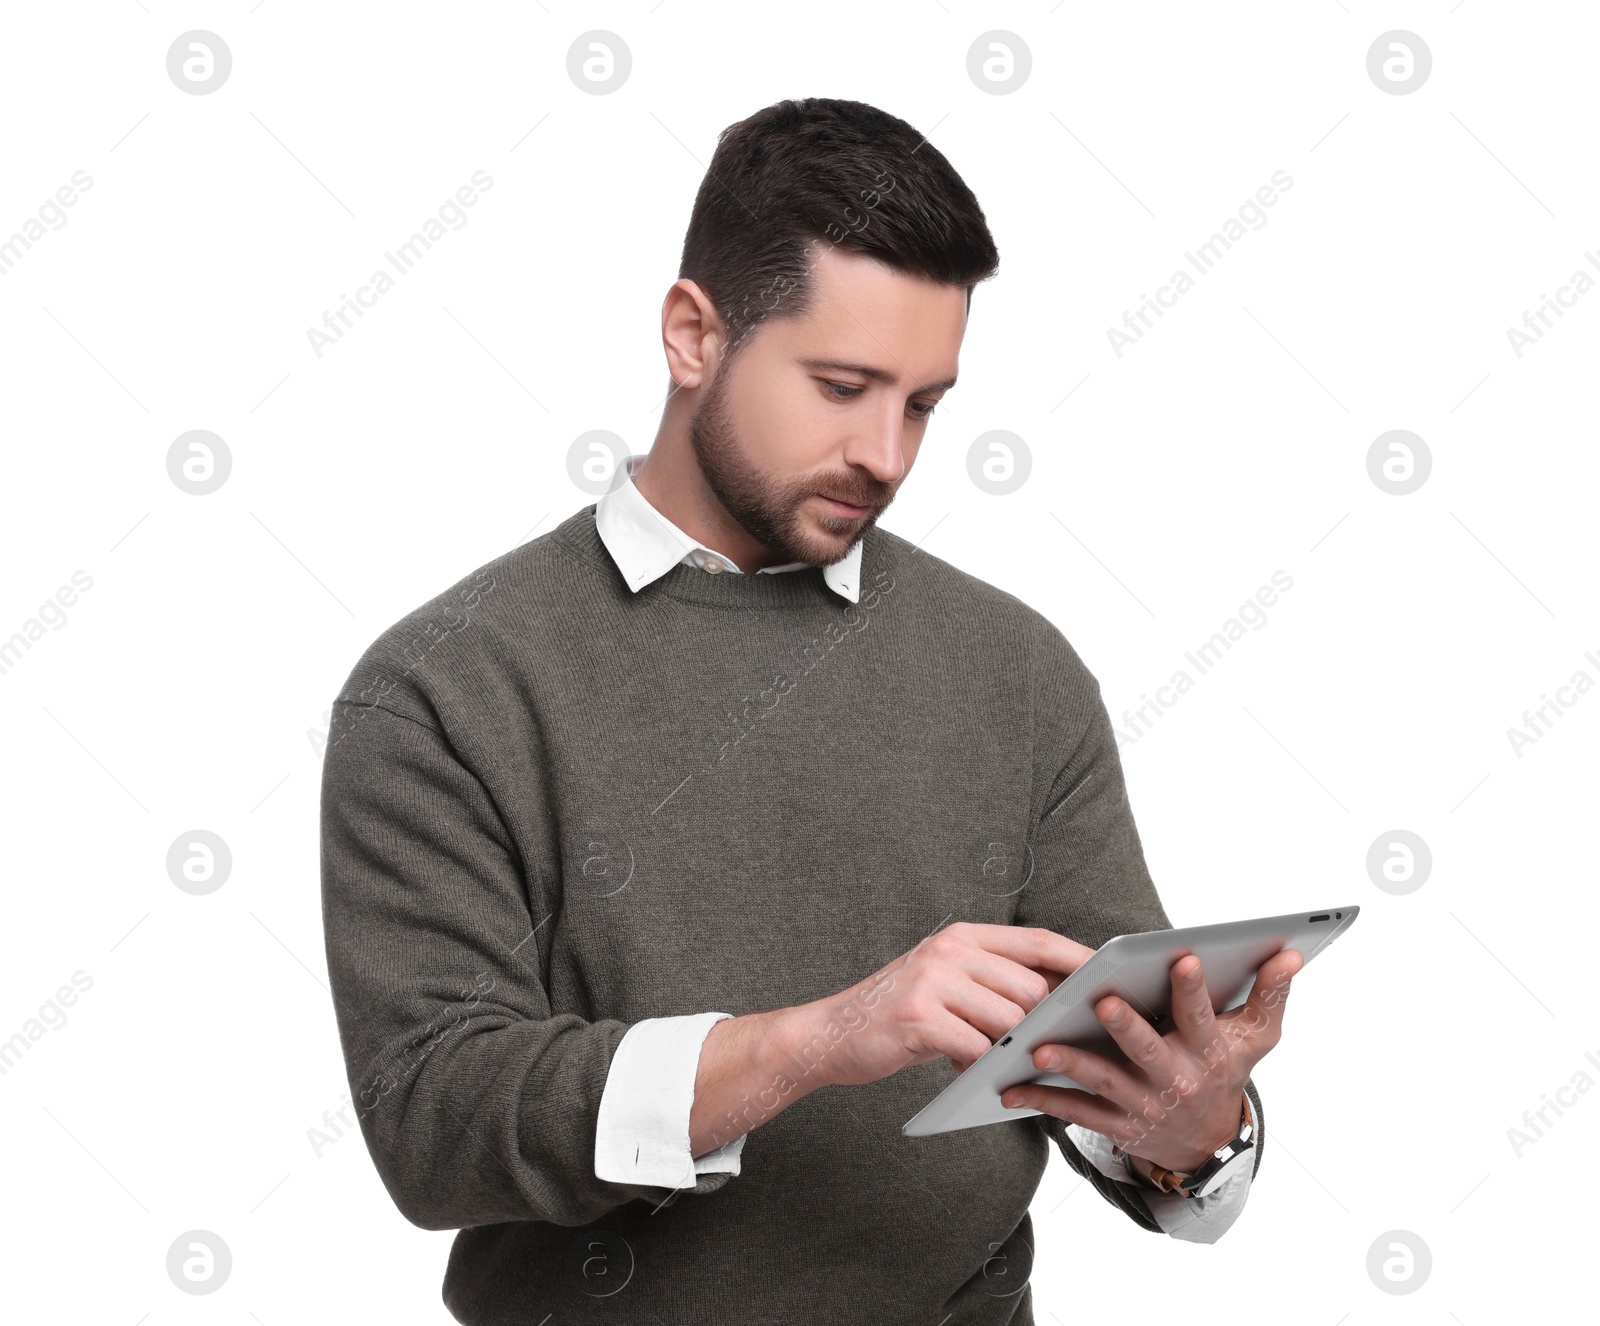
[855, 490]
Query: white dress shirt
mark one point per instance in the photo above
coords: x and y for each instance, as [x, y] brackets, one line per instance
[642, 1133]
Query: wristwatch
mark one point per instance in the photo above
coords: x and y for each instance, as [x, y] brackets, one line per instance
[1227, 1160]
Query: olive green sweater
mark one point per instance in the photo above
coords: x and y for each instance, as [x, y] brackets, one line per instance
[553, 807]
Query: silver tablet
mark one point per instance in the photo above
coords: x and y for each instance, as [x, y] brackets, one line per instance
[1136, 968]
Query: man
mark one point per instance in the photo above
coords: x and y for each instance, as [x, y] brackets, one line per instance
[672, 861]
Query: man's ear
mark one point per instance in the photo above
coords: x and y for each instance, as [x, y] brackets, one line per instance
[691, 333]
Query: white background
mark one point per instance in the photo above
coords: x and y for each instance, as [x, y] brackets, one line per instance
[186, 687]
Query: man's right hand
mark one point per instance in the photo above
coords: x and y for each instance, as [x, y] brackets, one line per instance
[956, 993]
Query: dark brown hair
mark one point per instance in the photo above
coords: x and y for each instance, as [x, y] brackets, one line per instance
[819, 171]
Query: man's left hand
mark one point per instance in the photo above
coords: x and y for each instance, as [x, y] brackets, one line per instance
[1176, 1100]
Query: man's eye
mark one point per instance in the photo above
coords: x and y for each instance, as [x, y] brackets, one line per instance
[844, 391]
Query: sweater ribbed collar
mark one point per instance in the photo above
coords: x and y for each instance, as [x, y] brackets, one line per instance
[793, 589]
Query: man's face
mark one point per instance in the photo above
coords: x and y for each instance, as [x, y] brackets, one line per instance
[832, 405]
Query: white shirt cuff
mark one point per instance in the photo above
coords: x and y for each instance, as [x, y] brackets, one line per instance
[1192, 1219]
[642, 1132]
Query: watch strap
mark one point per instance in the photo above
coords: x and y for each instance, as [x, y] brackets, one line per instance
[1178, 1181]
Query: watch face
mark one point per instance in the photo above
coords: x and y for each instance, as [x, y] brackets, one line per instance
[1214, 1171]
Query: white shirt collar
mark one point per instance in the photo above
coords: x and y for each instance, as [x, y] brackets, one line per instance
[646, 545]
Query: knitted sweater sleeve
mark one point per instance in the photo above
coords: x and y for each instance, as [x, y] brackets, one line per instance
[1089, 881]
[478, 1104]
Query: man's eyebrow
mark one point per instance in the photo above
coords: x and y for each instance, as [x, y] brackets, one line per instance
[871, 374]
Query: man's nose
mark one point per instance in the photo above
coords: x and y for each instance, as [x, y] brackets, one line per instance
[879, 450]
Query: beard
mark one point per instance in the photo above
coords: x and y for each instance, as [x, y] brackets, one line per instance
[768, 509]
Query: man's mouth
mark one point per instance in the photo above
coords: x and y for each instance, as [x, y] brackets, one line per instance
[848, 509]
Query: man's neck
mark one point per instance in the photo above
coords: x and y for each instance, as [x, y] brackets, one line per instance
[670, 480]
